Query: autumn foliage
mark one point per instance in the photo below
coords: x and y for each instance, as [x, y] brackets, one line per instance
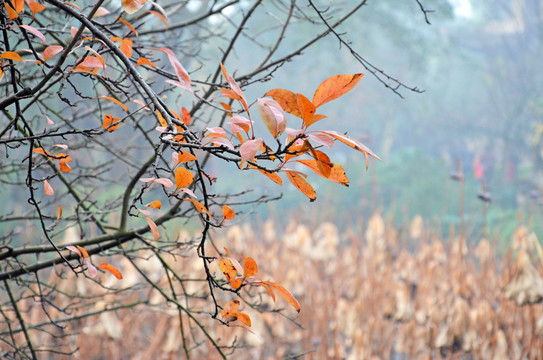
[110, 139]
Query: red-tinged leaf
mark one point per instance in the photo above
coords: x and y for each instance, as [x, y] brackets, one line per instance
[354, 144]
[334, 87]
[287, 100]
[74, 249]
[155, 204]
[199, 206]
[272, 115]
[51, 51]
[186, 116]
[140, 103]
[126, 47]
[188, 192]
[91, 269]
[145, 61]
[239, 124]
[90, 62]
[12, 14]
[111, 122]
[47, 189]
[242, 317]
[284, 293]
[84, 252]
[162, 181]
[182, 74]
[112, 269]
[73, 31]
[158, 15]
[322, 139]
[235, 88]
[71, 4]
[249, 267]
[337, 173]
[249, 148]
[33, 30]
[144, 212]
[102, 11]
[59, 212]
[65, 167]
[153, 227]
[127, 25]
[228, 213]
[10, 55]
[131, 6]
[183, 178]
[34, 6]
[115, 101]
[301, 184]
[19, 5]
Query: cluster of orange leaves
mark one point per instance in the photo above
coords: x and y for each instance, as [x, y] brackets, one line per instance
[238, 276]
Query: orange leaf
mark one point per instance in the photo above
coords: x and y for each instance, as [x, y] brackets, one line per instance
[186, 116]
[183, 178]
[47, 189]
[35, 6]
[153, 227]
[12, 14]
[102, 11]
[91, 62]
[19, 5]
[112, 269]
[10, 54]
[115, 101]
[83, 251]
[145, 61]
[334, 87]
[158, 15]
[51, 51]
[230, 273]
[323, 161]
[228, 213]
[287, 99]
[131, 6]
[62, 158]
[65, 167]
[126, 47]
[184, 157]
[235, 88]
[161, 119]
[301, 184]
[268, 289]
[272, 176]
[337, 173]
[155, 204]
[199, 206]
[230, 308]
[249, 267]
[40, 151]
[111, 122]
[284, 293]
[59, 212]
[242, 317]
[127, 24]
